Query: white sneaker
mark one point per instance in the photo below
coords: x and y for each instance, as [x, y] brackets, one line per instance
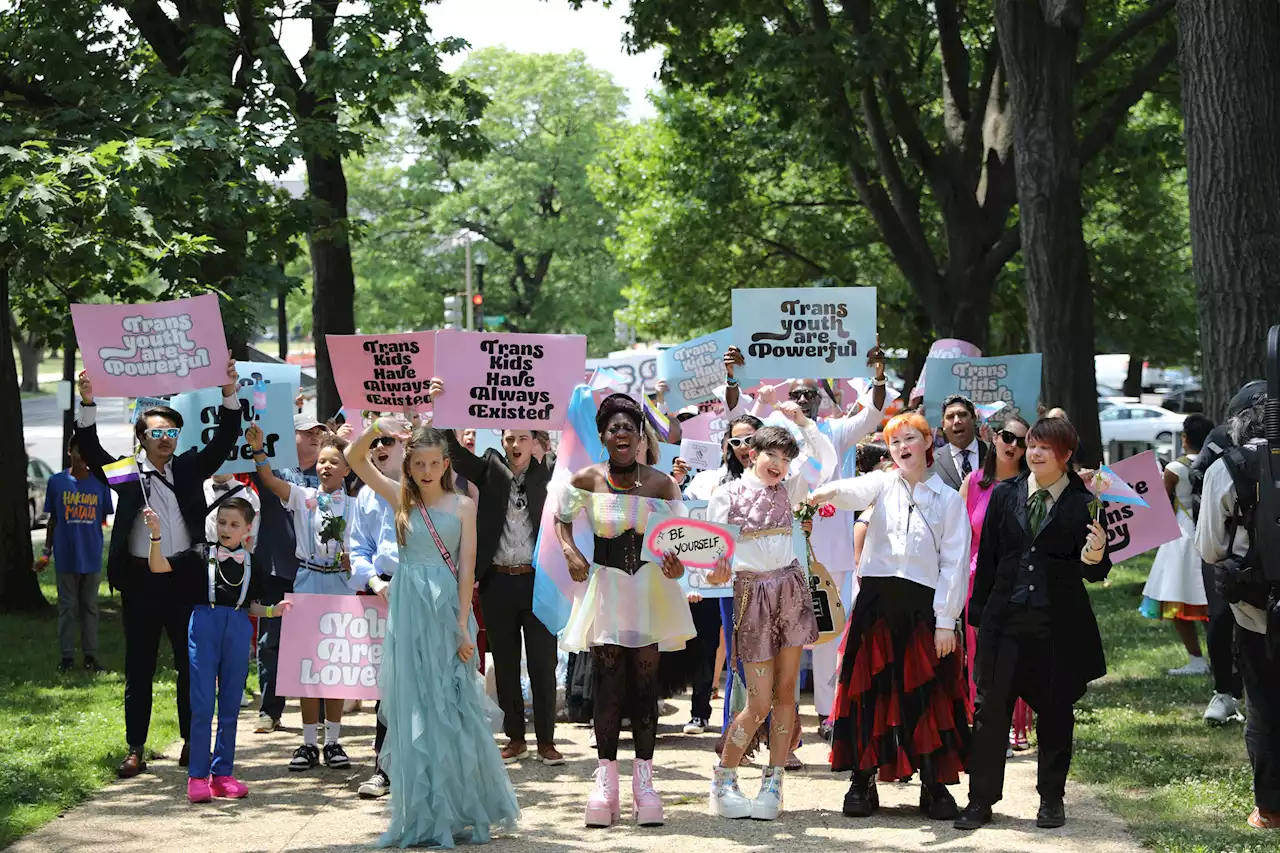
[266, 724]
[727, 799]
[768, 803]
[1223, 708]
[1195, 666]
[696, 726]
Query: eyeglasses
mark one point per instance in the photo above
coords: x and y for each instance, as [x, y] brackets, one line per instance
[1013, 438]
[804, 394]
[172, 432]
[740, 441]
[383, 441]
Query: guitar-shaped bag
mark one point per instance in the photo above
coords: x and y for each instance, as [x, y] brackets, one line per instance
[828, 609]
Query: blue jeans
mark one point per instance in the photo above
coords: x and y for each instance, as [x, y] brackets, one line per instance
[218, 651]
[273, 592]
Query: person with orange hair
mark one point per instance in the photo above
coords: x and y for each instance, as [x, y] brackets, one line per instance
[901, 702]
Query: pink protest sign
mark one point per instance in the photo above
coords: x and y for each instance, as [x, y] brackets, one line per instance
[504, 381]
[383, 373]
[1133, 529]
[698, 544]
[331, 646]
[153, 348]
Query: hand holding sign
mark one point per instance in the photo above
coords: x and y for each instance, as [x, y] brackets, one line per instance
[671, 565]
[721, 574]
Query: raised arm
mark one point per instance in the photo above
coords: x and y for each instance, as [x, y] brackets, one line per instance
[464, 461]
[212, 456]
[86, 428]
[358, 458]
[277, 487]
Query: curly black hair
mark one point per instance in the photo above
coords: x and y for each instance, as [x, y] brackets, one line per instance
[619, 404]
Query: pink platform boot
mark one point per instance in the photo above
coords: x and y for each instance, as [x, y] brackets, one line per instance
[646, 805]
[602, 803]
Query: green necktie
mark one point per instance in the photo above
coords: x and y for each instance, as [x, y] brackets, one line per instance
[1039, 508]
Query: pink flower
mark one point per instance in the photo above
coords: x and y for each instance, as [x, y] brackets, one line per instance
[311, 504]
[826, 511]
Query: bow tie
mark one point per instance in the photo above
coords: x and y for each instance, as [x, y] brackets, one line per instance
[227, 554]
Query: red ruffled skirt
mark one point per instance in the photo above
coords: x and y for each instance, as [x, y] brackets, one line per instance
[898, 709]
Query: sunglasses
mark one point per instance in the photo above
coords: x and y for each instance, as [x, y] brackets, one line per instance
[383, 441]
[172, 432]
[804, 394]
[1013, 438]
[740, 441]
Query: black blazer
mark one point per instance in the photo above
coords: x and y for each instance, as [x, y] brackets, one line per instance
[944, 464]
[190, 470]
[1007, 546]
[492, 478]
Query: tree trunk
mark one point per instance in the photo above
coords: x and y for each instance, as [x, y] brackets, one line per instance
[333, 278]
[1229, 53]
[30, 354]
[19, 586]
[1039, 41]
[1133, 378]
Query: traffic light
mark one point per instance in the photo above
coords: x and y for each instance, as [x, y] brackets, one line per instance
[452, 311]
[477, 312]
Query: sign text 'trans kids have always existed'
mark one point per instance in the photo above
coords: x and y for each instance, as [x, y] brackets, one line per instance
[507, 381]
[383, 373]
[808, 332]
[152, 348]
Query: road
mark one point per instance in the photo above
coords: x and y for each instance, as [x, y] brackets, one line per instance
[42, 427]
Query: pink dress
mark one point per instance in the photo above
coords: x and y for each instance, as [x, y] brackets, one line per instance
[976, 502]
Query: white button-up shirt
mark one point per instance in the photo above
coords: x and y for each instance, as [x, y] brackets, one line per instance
[919, 534]
[371, 539]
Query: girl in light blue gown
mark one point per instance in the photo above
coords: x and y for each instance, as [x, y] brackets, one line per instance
[447, 778]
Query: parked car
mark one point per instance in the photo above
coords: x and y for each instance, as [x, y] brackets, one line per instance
[1136, 422]
[1116, 400]
[38, 474]
[1184, 400]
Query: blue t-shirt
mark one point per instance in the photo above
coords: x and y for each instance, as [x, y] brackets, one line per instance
[77, 510]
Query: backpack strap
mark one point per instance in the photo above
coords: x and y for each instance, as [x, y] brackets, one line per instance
[1246, 492]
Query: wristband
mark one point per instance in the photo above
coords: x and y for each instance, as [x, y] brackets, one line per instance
[731, 382]
[263, 464]
[154, 539]
[374, 428]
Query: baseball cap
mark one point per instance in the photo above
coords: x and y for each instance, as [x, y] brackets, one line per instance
[305, 423]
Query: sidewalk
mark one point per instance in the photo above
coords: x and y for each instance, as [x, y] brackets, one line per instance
[319, 811]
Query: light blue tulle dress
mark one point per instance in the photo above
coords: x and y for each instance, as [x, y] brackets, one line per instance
[447, 779]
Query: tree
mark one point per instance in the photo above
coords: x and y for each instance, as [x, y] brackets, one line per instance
[523, 195]
[1230, 59]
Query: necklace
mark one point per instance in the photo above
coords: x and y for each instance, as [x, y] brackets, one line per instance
[615, 488]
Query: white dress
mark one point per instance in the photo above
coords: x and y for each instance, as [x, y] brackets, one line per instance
[1175, 587]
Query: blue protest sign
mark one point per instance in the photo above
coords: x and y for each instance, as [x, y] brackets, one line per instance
[141, 404]
[805, 332]
[693, 370]
[199, 410]
[1010, 379]
[269, 371]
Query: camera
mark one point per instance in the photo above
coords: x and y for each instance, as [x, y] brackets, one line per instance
[1239, 582]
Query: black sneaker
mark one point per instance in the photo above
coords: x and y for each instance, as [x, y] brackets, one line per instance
[304, 758]
[184, 757]
[377, 786]
[335, 756]
[66, 665]
[91, 664]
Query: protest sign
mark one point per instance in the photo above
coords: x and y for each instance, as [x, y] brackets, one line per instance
[805, 332]
[511, 381]
[697, 542]
[700, 455]
[636, 372]
[945, 348]
[695, 580]
[1133, 529]
[200, 411]
[270, 371]
[694, 370]
[331, 646]
[152, 348]
[141, 404]
[383, 373]
[1010, 379]
[667, 456]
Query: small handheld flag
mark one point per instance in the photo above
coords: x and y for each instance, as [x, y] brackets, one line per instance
[987, 411]
[659, 421]
[123, 471]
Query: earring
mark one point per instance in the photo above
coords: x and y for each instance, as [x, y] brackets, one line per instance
[604, 453]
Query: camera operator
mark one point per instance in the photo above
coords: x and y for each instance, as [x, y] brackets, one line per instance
[1224, 537]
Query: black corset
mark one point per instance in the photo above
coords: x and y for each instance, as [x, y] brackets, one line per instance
[621, 552]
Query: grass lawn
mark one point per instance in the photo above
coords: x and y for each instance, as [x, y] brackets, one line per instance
[1182, 786]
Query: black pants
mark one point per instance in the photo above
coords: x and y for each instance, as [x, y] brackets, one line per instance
[1219, 637]
[706, 621]
[508, 612]
[1262, 726]
[150, 610]
[273, 592]
[1012, 667]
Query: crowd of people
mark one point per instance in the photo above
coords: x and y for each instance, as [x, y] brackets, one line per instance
[961, 555]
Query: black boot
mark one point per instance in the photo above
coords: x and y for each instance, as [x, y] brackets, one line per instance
[1052, 815]
[862, 799]
[974, 816]
[936, 802]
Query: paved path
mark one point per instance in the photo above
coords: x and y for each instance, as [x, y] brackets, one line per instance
[319, 812]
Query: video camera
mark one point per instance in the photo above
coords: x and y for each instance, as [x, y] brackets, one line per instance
[1267, 525]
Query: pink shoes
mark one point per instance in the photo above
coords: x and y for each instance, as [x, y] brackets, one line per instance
[229, 787]
[198, 790]
[646, 805]
[602, 804]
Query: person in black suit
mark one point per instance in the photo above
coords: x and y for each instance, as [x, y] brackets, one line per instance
[963, 453]
[513, 490]
[1038, 639]
[150, 604]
